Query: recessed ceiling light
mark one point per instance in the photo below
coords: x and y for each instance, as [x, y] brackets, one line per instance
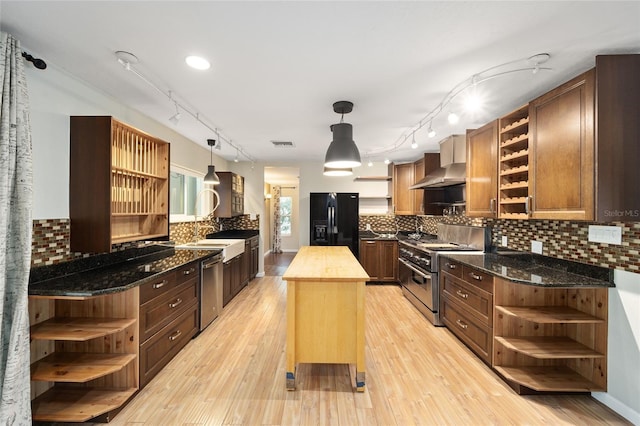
[197, 62]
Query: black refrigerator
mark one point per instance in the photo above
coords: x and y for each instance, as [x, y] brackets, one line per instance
[334, 219]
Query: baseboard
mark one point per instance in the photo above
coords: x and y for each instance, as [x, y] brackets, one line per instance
[618, 406]
[260, 275]
[267, 252]
[290, 251]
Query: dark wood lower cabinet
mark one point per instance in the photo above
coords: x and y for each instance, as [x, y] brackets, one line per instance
[380, 259]
[169, 315]
[234, 273]
[156, 352]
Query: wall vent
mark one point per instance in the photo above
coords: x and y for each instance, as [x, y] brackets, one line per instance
[282, 144]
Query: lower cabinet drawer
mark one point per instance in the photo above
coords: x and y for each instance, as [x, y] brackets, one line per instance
[477, 336]
[477, 301]
[160, 311]
[156, 352]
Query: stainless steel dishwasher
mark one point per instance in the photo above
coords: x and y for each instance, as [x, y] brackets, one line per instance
[210, 290]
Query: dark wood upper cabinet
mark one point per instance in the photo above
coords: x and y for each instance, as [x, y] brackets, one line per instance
[618, 138]
[231, 190]
[561, 158]
[118, 184]
[482, 162]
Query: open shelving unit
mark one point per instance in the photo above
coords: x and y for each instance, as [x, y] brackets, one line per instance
[550, 339]
[513, 160]
[119, 184]
[84, 355]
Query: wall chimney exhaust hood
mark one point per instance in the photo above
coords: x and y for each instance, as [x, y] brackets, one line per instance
[453, 167]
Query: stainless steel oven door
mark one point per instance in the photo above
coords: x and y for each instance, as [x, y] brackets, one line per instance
[421, 288]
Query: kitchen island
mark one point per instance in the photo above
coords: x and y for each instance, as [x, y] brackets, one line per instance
[325, 310]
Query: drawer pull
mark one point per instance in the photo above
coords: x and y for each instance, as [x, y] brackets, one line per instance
[475, 276]
[461, 294]
[189, 271]
[175, 335]
[461, 324]
[176, 303]
[451, 265]
[160, 284]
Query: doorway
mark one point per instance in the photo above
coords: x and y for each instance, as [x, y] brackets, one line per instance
[282, 195]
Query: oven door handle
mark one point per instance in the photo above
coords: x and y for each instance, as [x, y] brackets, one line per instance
[417, 271]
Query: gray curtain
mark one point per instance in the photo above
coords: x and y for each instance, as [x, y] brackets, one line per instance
[16, 199]
[277, 237]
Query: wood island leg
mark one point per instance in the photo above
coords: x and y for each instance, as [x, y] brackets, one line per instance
[360, 365]
[291, 336]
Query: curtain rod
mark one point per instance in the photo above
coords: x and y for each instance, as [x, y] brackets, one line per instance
[38, 63]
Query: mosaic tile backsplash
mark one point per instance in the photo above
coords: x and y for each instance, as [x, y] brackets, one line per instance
[560, 239]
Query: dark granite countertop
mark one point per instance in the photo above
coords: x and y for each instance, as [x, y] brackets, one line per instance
[240, 234]
[368, 235]
[110, 273]
[537, 270]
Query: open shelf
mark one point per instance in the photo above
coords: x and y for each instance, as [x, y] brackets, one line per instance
[515, 125]
[515, 170]
[550, 314]
[78, 367]
[548, 347]
[371, 178]
[548, 379]
[77, 404]
[514, 216]
[78, 329]
[513, 200]
[515, 185]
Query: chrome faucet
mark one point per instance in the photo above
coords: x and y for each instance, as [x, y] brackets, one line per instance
[195, 211]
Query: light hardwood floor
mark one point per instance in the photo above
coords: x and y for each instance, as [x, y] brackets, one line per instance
[234, 374]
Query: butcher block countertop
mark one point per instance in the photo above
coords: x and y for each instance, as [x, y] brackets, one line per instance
[325, 263]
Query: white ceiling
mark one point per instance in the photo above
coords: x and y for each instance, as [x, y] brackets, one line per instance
[277, 67]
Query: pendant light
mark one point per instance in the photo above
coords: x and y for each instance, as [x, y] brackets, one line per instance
[211, 177]
[328, 171]
[342, 152]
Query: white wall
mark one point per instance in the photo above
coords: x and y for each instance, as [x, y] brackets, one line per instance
[54, 96]
[623, 367]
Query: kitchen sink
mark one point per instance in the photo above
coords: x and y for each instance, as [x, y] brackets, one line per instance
[230, 247]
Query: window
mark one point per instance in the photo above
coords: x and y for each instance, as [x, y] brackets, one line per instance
[285, 216]
[184, 187]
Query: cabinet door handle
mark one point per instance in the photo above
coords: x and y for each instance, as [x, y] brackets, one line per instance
[475, 276]
[527, 205]
[492, 205]
[451, 265]
[176, 303]
[461, 324]
[189, 271]
[461, 294]
[160, 284]
[371, 242]
[175, 335]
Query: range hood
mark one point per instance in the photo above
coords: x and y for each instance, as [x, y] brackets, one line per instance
[453, 174]
[453, 169]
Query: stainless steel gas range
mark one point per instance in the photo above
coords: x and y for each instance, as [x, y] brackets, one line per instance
[419, 263]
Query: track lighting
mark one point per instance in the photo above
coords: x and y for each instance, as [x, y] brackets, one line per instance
[342, 152]
[175, 118]
[387, 161]
[211, 177]
[370, 163]
[473, 81]
[235, 160]
[414, 144]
